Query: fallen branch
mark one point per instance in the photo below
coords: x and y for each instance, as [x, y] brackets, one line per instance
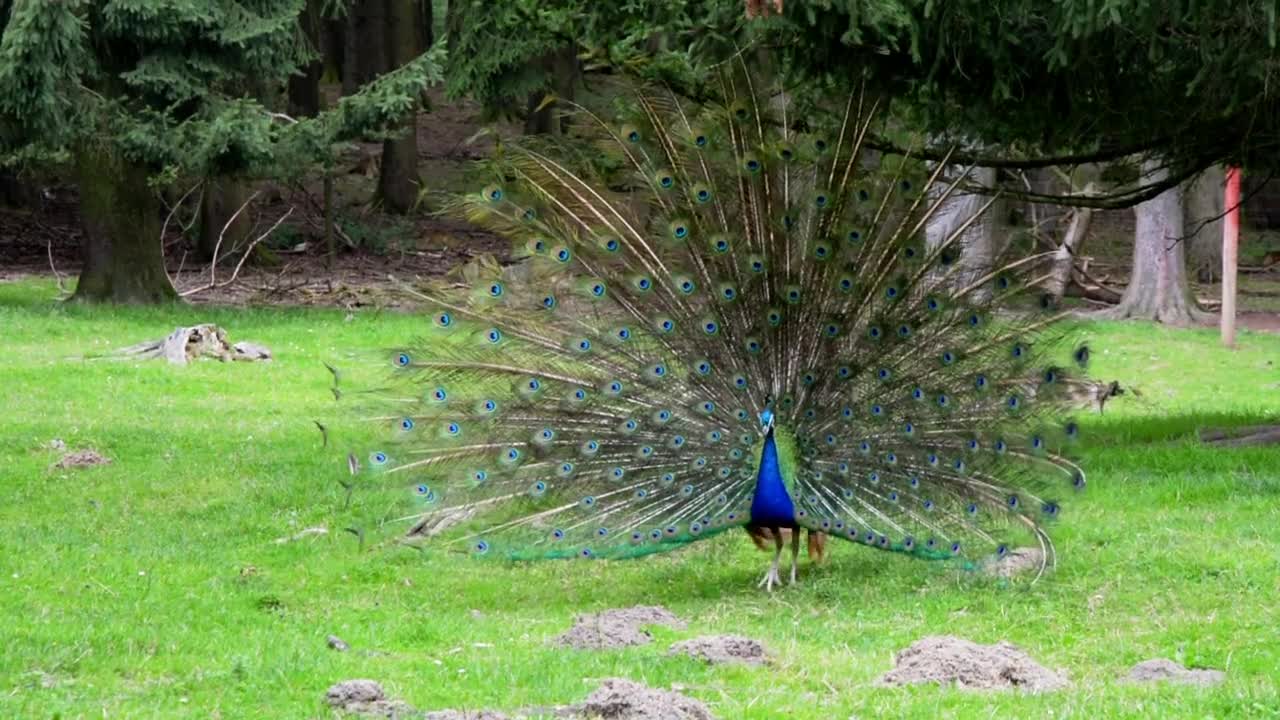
[1094, 288]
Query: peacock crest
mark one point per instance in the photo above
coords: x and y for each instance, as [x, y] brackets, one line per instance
[725, 314]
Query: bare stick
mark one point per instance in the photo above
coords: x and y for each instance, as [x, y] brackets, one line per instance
[213, 284]
[174, 210]
[213, 265]
[62, 288]
[164, 229]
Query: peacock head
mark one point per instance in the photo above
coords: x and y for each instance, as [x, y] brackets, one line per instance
[766, 417]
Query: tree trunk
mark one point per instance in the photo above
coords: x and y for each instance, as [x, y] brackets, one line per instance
[426, 23]
[223, 197]
[562, 67]
[1047, 218]
[1204, 223]
[364, 54]
[398, 178]
[123, 250]
[304, 89]
[976, 243]
[1158, 288]
[1072, 240]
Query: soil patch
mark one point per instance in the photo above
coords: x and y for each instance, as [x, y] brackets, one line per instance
[716, 649]
[619, 699]
[621, 627]
[615, 699]
[1162, 669]
[366, 697]
[945, 660]
[81, 458]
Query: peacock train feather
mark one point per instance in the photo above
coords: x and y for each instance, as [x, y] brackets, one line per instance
[724, 315]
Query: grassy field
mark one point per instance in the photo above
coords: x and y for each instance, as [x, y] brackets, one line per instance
[153, 586]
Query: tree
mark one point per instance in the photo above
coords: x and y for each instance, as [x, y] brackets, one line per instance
[507, 55]
[977, 242]
[133, 94]
[1204, 198]
[1169, 89]
[1053, 83]
[1158, 288]
[398, 176]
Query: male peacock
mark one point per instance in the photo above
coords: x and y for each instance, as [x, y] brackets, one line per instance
[726, 317]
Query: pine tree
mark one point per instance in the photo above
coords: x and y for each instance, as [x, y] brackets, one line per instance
[132, 94]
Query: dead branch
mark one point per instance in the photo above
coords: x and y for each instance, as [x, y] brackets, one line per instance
[213, 266]
[164, 229]
[319, 208]
[62, 288]
[1094, 288]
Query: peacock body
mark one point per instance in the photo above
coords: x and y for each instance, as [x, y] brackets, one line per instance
[725, 315]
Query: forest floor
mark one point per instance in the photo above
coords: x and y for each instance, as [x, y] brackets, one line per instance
[199, 572]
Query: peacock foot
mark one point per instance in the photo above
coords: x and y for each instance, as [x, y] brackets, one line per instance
[770, 579]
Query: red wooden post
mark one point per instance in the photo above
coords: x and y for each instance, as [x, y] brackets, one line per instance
[1230, 245]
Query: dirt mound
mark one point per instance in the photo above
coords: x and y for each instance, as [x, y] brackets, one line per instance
[366, 697]
[717, 649]
[619, 699]
[621, 627]
[1018, 561]
[464, 715]
[1161, 669]
[81, 458]
[615, 699]
[944, 659]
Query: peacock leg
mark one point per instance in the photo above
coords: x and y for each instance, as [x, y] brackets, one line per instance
[771, 578]
[795, 553]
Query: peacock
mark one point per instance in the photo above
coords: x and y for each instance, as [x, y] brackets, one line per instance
[719, 314]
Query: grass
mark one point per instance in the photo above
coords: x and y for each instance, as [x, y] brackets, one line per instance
[152, 587]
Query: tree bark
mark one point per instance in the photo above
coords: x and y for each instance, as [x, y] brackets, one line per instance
[365, 47]
[304, 89]
[976, 243]
[562, 66]
[223, 196]
[398, 177]
[1158, 288]
[1072, 240]
[123, 250]
[1204, 197]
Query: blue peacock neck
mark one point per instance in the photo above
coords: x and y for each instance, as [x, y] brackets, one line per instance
[771, 505]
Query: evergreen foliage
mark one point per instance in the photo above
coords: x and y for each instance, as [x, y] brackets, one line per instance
[179, 86]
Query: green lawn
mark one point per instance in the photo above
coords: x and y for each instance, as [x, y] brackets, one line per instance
[152, 587]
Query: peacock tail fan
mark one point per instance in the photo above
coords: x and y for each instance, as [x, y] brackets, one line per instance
[602, 396]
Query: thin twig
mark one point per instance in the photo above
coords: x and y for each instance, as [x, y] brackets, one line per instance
[181, 264]
[62, 288]
[213, 264]
[164, 229]
[243, 258]
[317, 206]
